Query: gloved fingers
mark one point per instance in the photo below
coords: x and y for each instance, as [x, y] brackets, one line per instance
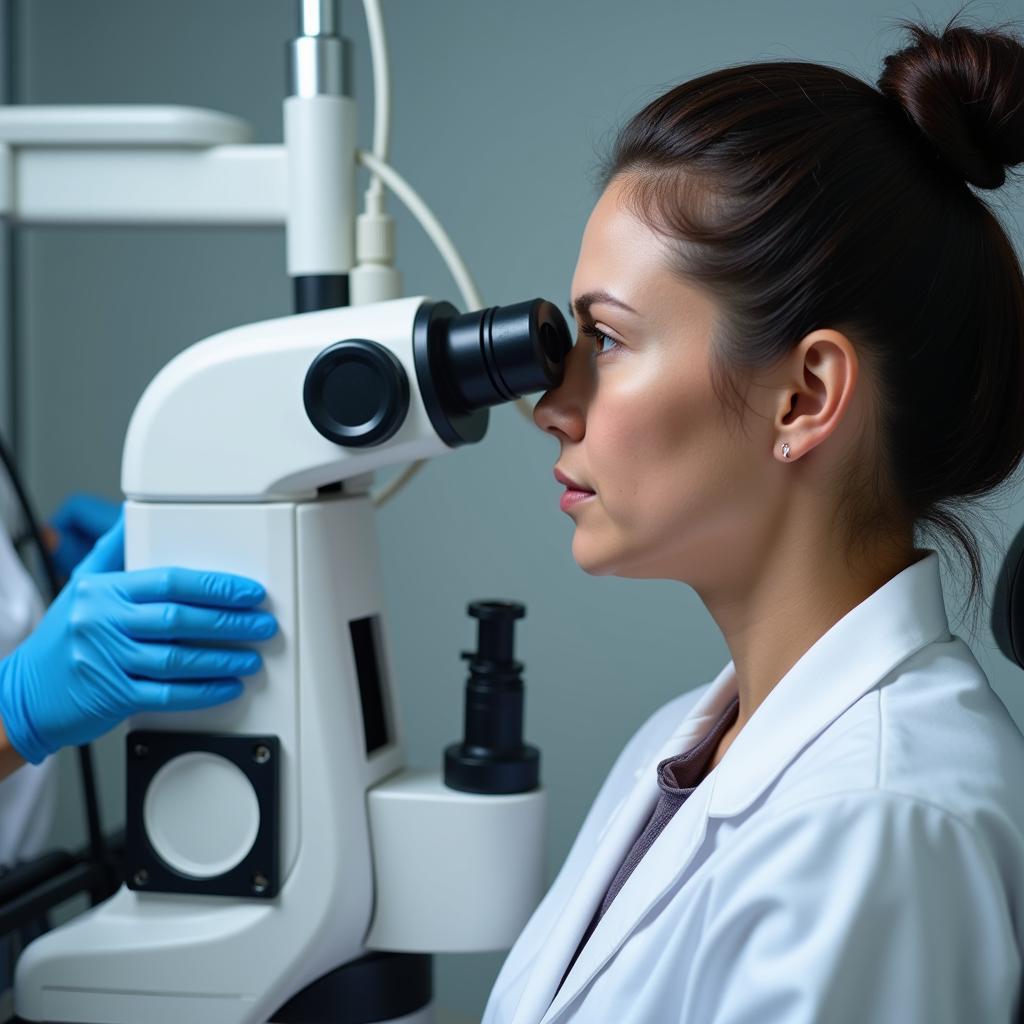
[107, 554]
[164, 620]
[172, 661]
[69, 548]
[199, 693]
[192, 586]
[76, 526]
[87, 514]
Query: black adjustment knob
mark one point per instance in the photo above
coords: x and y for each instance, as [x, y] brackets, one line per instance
[356, 393]
[493, 758]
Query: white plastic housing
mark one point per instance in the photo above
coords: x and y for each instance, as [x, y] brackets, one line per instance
[122, 125]
[137, 164]
[225, 418]
[454, 872]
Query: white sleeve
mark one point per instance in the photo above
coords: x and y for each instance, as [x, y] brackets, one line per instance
[864, 906]
[27, 796]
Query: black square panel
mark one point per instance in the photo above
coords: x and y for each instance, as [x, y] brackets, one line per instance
[258, 758]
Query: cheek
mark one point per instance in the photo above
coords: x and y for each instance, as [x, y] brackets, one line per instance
[642, 440]
[657, 448]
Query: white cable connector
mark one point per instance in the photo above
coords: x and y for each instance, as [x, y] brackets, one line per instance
[374, 278]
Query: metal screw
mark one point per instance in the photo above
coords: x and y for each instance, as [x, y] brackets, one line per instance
[141, 877]
[261, 753]
[260, 883]
[140, 750]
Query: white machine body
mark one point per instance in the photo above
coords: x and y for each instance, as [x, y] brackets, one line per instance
[221, 469]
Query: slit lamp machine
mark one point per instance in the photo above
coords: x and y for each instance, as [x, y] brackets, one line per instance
[281, 861]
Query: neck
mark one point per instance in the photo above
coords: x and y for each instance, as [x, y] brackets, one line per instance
[776, 613]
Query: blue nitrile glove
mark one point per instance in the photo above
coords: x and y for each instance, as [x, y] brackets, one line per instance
[78, 523]
[115, 643]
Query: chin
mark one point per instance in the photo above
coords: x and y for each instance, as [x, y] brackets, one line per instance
[616, 564]
[590, 565]
[591, 571]
[593, 564]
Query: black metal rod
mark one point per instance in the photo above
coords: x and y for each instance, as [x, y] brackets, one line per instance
[38, 885]
[86, 876]
[15, 881]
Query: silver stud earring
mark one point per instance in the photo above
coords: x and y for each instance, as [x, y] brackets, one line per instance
[785, 450]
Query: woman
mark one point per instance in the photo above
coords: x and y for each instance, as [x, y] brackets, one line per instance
[832, 829]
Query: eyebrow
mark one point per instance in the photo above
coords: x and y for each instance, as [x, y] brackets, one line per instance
[583, 303]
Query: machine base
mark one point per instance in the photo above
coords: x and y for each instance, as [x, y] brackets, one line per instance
[379, 988]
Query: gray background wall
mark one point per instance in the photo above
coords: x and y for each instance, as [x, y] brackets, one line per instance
[498, 112]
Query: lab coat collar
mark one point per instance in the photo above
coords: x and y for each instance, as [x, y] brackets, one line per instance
[904, 615]
[898, 619]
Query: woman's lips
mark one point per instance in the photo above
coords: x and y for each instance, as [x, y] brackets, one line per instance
[574, 492]
[562, 478]
[571, 498]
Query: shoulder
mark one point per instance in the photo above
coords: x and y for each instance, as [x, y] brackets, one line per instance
[873, 894]
[932, 730]
[945, 734]
[885, 831]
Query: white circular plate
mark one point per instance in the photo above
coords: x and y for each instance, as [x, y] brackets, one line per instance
[201, 814]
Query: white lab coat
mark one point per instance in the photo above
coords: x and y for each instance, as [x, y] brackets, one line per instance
[28, 796]
[856, 856]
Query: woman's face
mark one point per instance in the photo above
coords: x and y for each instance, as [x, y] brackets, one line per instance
[639, 424]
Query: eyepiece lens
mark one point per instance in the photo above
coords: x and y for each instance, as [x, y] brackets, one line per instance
[551, 343]
[499, 354]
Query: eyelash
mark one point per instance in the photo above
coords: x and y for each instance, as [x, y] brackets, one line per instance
[591, 332]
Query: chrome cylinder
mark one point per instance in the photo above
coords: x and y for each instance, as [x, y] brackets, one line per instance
[318, 17]
[319, 59]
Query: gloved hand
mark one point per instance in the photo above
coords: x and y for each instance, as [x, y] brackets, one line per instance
[76, 526]
[115, 643]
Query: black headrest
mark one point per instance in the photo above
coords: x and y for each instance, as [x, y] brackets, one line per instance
[1008, 603]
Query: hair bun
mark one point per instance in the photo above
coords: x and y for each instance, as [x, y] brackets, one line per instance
[964, 89]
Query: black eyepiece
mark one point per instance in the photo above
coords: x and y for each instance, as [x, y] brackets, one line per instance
[470, 361]
[498, 354]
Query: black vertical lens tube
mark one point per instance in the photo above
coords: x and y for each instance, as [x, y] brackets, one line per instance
[492, 757]
[319, 291]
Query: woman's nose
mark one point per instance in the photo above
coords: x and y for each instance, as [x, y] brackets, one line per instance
[560, 410]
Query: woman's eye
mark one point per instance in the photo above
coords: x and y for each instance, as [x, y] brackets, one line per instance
[600, 337]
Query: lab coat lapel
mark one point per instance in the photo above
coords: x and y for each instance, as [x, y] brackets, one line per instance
[659, 869]
[624, 825]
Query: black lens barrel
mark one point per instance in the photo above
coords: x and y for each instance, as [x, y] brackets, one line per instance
[467, 362]
[499, 354]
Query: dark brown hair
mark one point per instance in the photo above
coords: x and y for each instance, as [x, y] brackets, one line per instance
[803, 197]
